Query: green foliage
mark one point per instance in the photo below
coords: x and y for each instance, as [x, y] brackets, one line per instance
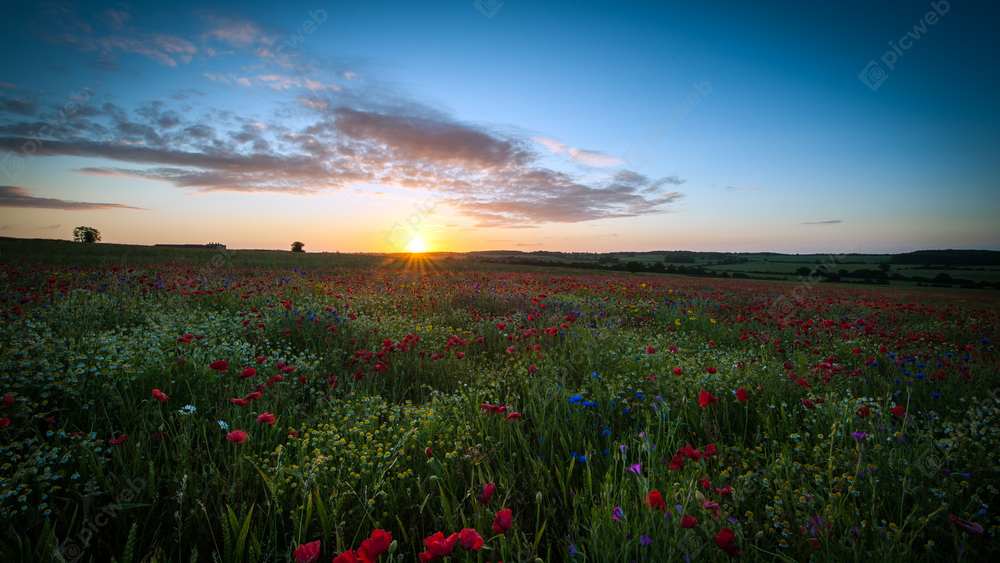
[603, 393]
[86, 234]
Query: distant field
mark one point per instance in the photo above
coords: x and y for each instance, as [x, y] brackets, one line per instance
[773, 267]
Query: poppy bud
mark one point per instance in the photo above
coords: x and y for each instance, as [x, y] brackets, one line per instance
[429, 452]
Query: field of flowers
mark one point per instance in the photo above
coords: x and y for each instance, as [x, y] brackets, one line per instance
[178, 412]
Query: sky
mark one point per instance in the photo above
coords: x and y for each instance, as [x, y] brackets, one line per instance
[487, 125]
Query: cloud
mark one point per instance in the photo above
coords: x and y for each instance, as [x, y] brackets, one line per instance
[11, 196]
[240, 33]
[732, 189]
[49, 227]
[186, 93]
[117, 18]
[5, 227]
[579, 156]
[164, 49]
[19, 106]
[343, 139]
[822, 222]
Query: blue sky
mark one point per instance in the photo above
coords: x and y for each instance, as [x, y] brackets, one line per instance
[559, 126]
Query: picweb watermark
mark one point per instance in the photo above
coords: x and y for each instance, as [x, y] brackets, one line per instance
[873, 75]
[399, 237]
[71, 549]
[13, 164]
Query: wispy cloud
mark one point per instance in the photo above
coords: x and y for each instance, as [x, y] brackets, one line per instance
[821, 222]
[732, 189]
[49, 227]
[11, 196]
[579, 156]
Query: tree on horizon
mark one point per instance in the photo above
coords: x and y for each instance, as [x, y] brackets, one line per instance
[86, 234]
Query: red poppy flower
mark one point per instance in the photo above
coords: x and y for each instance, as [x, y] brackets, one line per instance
[487, 493]
[160, 396]
[808, 404]
[502, 522]
[293, 433]
[429, 452]
[239, 402]
[677, 371]
[439, 546]
[965, 525]
[348, 556]
[219, 365]
[813, 541]
[741, 395]
[116, 441]
[710, 369]
[650, 350]
[710, 450]
[470, 539]
[512, 416]
[655, 501]
[898, 411]
[247, 373]
[705, 484]
[690, 452]
[4, 422]
[727, 541]
[677, 462]
[266, 417]
[307, 553]
[8, 400]
[237, 436]
[713, 506]
[706, 398]
[261, 360]
[864, 411]
[252, 396]
[374, 546]
[688, 521]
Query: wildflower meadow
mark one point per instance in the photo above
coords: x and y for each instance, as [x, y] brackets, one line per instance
[171, 411]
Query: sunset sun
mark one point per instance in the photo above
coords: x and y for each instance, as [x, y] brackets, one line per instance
[417, 245]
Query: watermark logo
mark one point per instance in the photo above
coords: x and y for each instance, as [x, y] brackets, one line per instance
[70, 552]
[222, 258]
[636, 156]
[489, 8]
[13, 164]
[932, 459]
[691, 545]
[874, 75]
[399, 237]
